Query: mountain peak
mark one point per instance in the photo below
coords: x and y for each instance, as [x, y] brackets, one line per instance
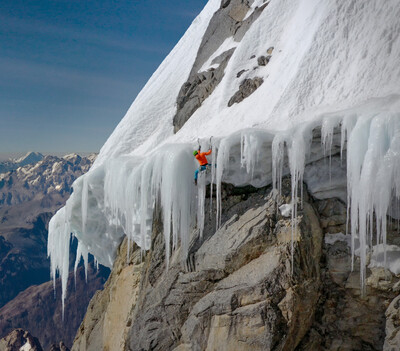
[30, 157]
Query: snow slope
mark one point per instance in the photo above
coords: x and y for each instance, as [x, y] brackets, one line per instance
[334, 64]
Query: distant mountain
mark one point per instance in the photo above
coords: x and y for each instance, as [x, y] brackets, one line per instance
[40, 187]
[36, 309]
[29, 196]
[20, 339]
[30, 158]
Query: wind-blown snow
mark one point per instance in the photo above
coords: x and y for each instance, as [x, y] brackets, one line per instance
[334, 66]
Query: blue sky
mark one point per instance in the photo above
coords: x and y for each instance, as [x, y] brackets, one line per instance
[70, 69]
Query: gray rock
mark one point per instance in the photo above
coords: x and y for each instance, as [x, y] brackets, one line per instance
[20, 339]
[240, 295]
[60, 347]
[241, 72]
[246, 88]
[109, 312]
[198, 88]
[347, 320]
[263, 60]
[226, 22]
[392, 339]
[246, 24]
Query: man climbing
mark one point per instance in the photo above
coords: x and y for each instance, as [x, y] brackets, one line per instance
[201, 157]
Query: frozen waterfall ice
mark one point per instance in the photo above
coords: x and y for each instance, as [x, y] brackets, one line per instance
[121, 197]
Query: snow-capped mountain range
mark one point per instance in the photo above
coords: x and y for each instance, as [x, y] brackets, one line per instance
[261, 78]
[40, 186]
[28, 197]
[30, 158]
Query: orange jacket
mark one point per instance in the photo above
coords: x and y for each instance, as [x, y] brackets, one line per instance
[201, 157]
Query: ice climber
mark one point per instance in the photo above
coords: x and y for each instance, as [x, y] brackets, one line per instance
[201, 157]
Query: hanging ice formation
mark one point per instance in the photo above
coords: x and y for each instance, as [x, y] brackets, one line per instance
[120, 197]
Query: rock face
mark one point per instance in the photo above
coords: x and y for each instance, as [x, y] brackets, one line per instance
[36, 309]
[246, 88]
[346, 320]
[60, 347]
[392, 340]
[229, 21]
[20, 340]
[239, 293]
[198, 88]
[109, 313]
[238, 289]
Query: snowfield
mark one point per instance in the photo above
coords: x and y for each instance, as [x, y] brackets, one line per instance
[334, 66]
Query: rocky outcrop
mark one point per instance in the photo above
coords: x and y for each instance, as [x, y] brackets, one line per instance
[346, 319]
[239, 293]
[246, 88]
[264, 60]
[60, 347]
[108, 316]
[20, 340]
[229, 21]
[392, 340]
[37, 310]
[198, 88]
[238, 289]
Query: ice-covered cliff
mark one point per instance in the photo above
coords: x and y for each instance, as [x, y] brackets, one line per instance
[263, 78]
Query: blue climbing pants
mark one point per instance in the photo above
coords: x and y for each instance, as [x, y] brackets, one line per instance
[200, 169]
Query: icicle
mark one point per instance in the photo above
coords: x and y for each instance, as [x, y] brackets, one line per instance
[357, 146]
[146, 203]
[81, 252]
[119, 197]
[250, 147]
[222, 163]
[77, 259]
[298, 148]
[58, 250]
[213, 166]
[327, 130]
[278, 153]
[373, 163]
[173, 182]
[201, 197]
[347, 125]
[85, 195]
